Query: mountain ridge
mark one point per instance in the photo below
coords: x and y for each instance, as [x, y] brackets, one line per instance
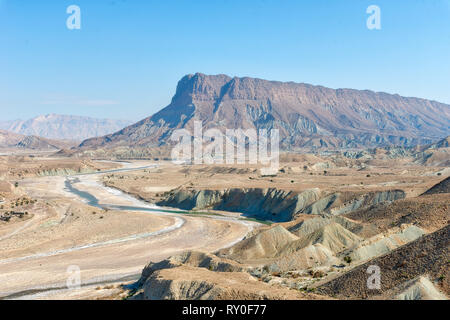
[306, 115]
[64, 127]
[15, 140]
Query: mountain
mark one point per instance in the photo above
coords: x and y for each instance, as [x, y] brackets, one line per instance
[435, 154]
[9, 139]
[306, 115]
[65, 127]
[39, 143]
[14, 140]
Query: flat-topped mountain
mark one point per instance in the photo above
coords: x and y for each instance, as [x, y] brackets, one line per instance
[306, 115]
[64, 127]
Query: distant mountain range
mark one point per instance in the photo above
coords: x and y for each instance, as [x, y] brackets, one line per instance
[15, 140]
[307, 116]
[64, 127]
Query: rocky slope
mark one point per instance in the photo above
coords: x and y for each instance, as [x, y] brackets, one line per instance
[274, 204]
[426, 256]
[38, 143]
[11, 139]
[327, 252]
[8, 139]
[202, 276]
[265, 204]
[441, 187]
[54, 126]
[306, 115]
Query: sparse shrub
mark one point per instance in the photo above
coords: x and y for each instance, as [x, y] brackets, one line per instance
[316, 274]
[348, 259]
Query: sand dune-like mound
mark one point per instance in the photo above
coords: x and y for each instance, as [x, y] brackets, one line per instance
[192, 259]
[332, 236]
[264, 245]
[307, 226]
[189, 283]
[315, 247]
[316, 255]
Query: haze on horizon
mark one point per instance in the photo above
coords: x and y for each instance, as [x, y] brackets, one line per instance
[127, 57]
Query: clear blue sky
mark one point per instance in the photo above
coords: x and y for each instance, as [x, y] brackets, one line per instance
[129, 54]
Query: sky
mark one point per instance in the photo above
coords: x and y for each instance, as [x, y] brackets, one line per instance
[127, 57]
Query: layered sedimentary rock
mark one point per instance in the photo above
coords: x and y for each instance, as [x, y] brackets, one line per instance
[306, 115]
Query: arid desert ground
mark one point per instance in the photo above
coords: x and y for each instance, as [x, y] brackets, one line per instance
[152, 229]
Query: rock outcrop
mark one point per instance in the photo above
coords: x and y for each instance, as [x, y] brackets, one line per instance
[195, 275]
[189, 283]
[427, 255]
[264, 245]
[441, 187]
[273, 204]
[264, 204]
[336, 204]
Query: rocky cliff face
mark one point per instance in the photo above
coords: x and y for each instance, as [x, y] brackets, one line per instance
[306, 115]
[264, 204]
[276, 205]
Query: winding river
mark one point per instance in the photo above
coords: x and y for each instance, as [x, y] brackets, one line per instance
[173, 238]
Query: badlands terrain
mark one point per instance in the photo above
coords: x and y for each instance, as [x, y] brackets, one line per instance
[358, 209]
[150, 229]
